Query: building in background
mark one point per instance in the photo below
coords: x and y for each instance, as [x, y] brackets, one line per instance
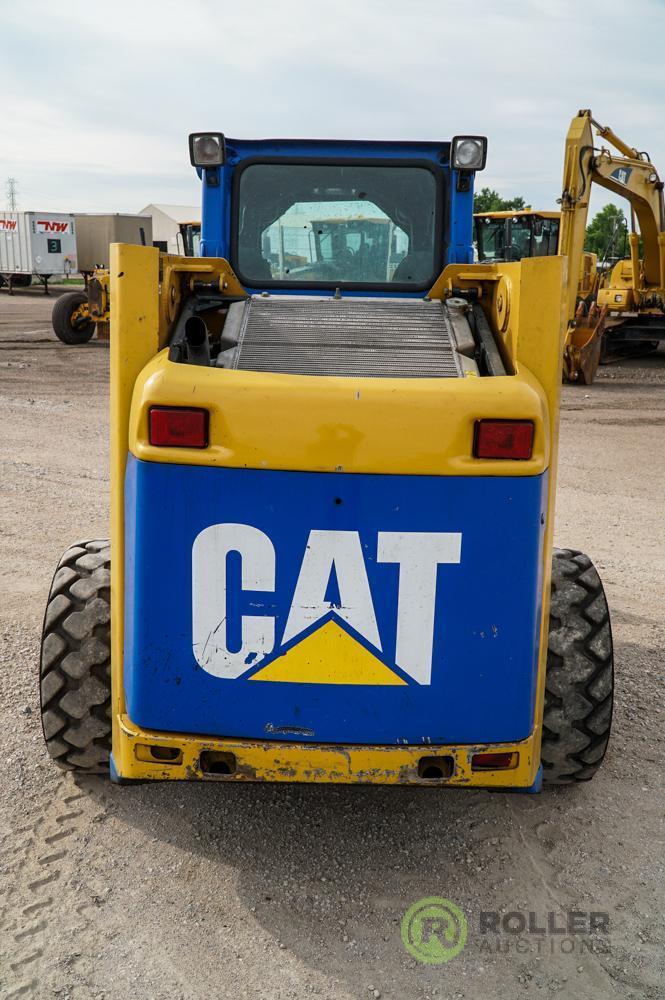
[176, 228]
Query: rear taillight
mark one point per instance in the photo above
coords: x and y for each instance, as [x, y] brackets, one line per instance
[178, 427]
[493, 761]
[503, 439]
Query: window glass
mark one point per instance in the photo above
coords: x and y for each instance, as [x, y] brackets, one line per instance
[337, 224]
[520, 238]
[491, 238]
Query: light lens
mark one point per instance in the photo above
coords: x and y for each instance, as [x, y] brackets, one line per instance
[494, 761]
[178, 427]
[503, 439]
[469, 152]
[206, 149]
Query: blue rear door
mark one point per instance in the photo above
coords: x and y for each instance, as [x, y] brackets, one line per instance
[337, 608]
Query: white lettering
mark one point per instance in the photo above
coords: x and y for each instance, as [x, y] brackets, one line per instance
[418, 554]
[210, 598]
[341, 550]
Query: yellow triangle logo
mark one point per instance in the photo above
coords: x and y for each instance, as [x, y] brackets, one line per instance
[328, 656]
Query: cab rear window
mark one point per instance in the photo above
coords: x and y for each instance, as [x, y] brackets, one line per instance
[322, 225]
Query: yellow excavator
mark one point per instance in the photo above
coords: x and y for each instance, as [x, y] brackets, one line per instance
[628, 308]
[614, 313]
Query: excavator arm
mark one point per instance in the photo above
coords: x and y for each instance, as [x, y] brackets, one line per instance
[632, 176]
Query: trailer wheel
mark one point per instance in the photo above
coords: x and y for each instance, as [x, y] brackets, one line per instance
[75, 671]
[579, 682]
[71, 321]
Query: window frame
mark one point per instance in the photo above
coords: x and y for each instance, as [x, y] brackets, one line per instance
[440, 220]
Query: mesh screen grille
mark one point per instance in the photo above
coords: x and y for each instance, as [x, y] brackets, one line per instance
[303, 336]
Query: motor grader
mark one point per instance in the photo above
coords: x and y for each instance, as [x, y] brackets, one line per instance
[332, 498]
[78, 316]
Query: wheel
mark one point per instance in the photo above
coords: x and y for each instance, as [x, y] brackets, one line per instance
[580, 675]
[75, 670]
[72, 323]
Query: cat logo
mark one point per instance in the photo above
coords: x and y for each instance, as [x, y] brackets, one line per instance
[322, 640]
[622, 174]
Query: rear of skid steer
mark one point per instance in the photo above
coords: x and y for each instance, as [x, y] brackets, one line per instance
[327, 577]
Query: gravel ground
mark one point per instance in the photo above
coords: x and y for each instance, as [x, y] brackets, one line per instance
[206, 891]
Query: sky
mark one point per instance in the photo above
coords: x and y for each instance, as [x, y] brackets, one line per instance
[99, 97]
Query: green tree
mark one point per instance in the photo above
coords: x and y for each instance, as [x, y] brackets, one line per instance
[606, 233]
[487, 200]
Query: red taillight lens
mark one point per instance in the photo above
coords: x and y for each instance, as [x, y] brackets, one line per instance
[493, 761]
[503, 439]
[178, 427]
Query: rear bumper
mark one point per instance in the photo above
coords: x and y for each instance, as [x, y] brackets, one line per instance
[137, 753]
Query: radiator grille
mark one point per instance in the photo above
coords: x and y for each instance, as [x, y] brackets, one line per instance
[308, 336]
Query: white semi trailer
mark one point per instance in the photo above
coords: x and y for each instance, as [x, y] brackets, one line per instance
[41, 244]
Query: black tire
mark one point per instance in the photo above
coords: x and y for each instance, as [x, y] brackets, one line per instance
[63, 310]
[579, 683]
[75, 670]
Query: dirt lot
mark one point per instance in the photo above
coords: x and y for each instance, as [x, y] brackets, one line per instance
[187, 891]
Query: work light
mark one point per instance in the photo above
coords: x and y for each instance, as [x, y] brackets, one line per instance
[206, 149]
[469, 152]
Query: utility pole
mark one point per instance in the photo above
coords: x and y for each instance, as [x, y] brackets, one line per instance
[11, 188]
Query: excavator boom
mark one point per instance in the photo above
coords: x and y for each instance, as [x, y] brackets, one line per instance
[631, 175]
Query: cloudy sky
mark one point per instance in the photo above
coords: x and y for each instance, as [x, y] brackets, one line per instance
[98, 97]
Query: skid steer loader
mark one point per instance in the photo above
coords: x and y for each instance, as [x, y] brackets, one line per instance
[332, 498]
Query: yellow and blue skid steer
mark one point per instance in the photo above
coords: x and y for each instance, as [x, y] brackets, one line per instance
[334, 446]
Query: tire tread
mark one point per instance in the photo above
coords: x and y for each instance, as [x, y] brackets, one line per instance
[75, 669]
[579, 682]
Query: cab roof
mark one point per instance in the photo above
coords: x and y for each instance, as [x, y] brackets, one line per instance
[522, 212]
